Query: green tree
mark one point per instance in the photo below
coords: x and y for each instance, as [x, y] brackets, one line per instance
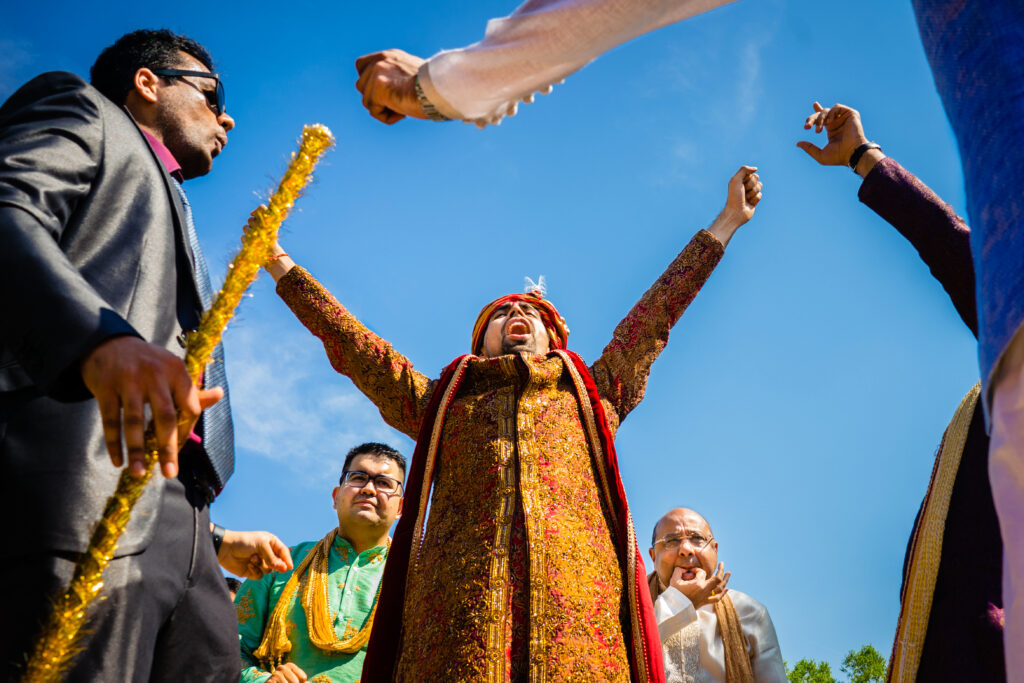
[864, 666]
[809, 671]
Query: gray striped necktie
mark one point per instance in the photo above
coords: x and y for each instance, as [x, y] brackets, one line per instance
[215, 425]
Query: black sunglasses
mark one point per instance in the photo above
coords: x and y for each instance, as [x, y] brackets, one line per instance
[215, 99]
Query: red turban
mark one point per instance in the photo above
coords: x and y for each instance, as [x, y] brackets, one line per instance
[558, 331]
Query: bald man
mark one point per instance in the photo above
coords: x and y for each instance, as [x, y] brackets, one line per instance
[708, 632]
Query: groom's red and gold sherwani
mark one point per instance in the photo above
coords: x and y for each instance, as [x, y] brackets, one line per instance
[526, 567]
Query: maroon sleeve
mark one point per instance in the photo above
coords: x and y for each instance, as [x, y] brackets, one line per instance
[940, 236]
[622, 370]
[385, 376]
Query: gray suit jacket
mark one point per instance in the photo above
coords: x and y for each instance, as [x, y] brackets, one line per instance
[91, 246]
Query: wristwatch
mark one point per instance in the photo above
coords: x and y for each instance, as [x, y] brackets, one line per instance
[859, 152]
[217, 533]
[428, 107]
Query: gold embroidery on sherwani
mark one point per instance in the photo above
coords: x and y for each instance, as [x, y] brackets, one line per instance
[639, 644]
[450, 607]
[591, 424]
[428, 473]
[638, 639]
[533, 515]
[421, 520]
[683, 647]
[498, 576]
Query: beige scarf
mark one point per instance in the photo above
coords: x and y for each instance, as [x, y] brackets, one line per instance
[275, 646]
[737, 659]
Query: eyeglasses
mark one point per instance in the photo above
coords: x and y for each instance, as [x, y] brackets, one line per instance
[381, 482]
[696, 540]
[215, 99]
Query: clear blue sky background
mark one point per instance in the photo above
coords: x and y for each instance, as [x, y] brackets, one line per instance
[800, 401]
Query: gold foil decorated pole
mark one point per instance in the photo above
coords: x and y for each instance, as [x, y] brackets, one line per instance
[58, 641]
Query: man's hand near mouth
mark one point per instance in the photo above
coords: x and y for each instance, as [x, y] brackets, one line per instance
[695, 584]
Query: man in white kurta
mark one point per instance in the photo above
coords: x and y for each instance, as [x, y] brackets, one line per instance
[687, 583]
[527, 52]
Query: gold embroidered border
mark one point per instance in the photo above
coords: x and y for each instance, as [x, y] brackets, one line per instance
[497, 587]
[591, 425]
[916, 603]
[639, 642]
[428, 470]
[428, 480]
[632, 550]
[534, 520]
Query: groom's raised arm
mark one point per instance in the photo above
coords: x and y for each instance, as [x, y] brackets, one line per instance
[385, 376]
[622, 370]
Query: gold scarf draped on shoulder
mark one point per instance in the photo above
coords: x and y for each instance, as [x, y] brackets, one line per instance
[654, 584]
[926, 546]
[275, 646]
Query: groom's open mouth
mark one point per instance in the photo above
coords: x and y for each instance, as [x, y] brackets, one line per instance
[518, 329]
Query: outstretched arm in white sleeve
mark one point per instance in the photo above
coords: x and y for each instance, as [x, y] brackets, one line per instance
[538, 45]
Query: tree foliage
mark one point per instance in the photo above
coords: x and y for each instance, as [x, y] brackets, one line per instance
[864, 665]
[809, 671]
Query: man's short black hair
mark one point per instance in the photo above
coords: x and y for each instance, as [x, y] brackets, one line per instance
[375, 449]
[233, 583]
[113, 73]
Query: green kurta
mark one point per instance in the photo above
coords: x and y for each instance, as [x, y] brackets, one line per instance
[351, 591]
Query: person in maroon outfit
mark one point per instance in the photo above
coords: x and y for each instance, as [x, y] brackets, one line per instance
[964, 638]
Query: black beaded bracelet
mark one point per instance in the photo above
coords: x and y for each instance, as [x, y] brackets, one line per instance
[859, 152]
[218, 537]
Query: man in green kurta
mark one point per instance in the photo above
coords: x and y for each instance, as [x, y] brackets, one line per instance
[287, 632]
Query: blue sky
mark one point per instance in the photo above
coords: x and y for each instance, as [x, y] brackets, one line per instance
[801, 397]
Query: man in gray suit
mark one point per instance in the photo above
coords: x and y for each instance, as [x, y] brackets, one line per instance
[100, 275]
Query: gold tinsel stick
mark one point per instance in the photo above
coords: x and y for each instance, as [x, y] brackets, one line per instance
[57, 643]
